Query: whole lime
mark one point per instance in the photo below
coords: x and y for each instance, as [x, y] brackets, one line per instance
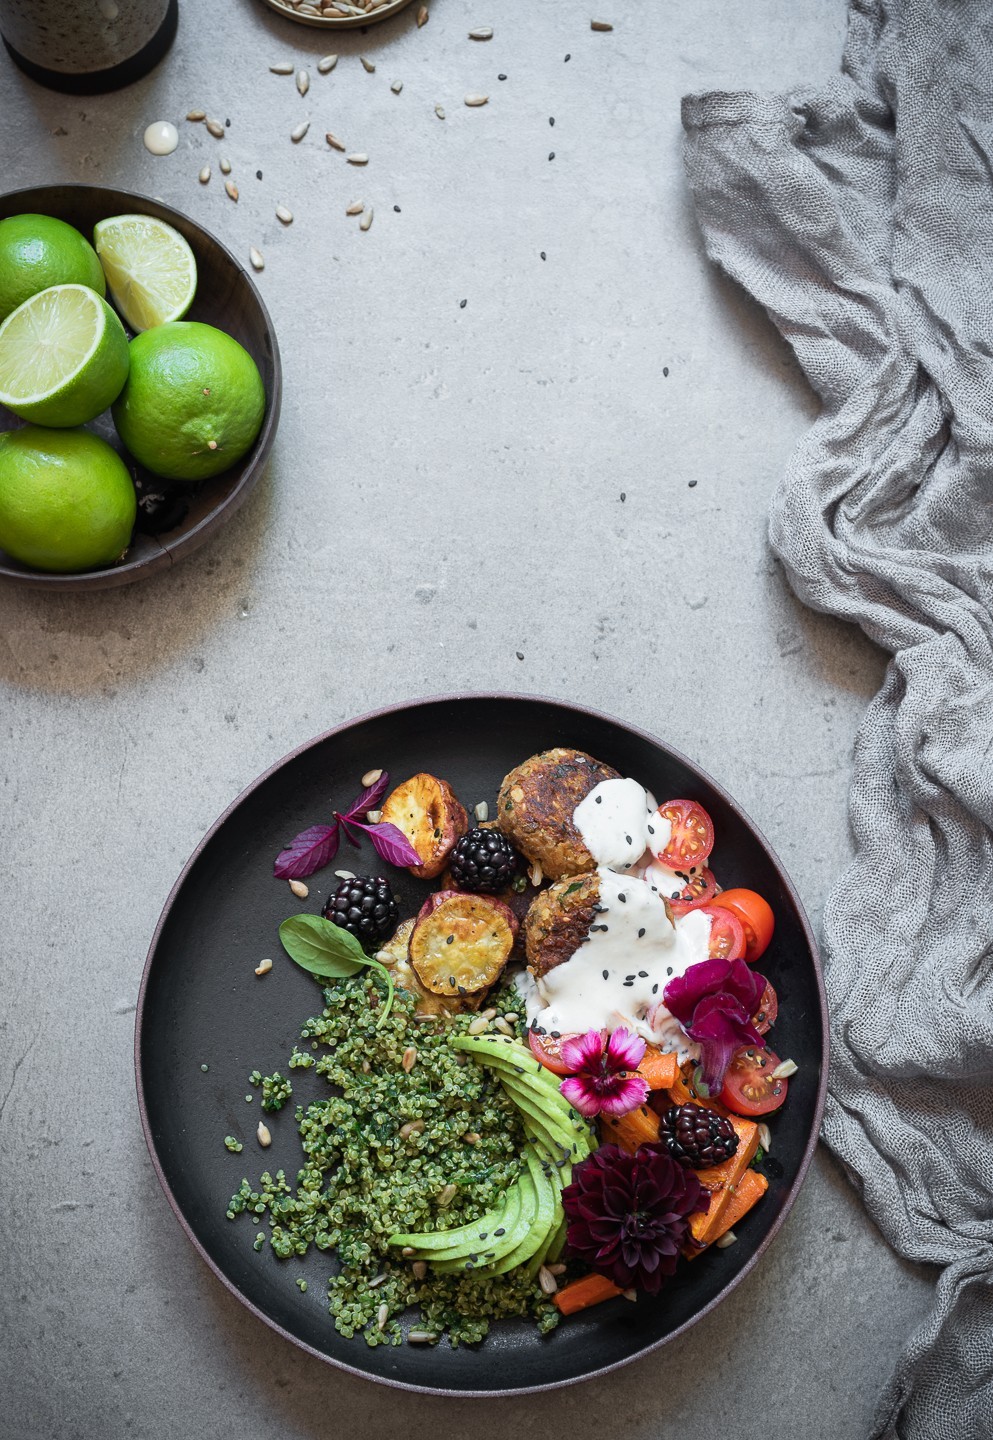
[66, 499]
[63, 357]
[37, 251]
[193, 403]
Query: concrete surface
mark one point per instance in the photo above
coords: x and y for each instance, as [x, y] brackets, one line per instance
[444, 509]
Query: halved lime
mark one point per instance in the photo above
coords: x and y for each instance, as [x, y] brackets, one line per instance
[63, 357]
[149, 267]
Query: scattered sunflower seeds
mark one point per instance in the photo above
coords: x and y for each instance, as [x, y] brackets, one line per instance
[205, 175]
[284, 215]
[765, 1137]
[345, 874]
[297, 134]
[366, 222]
[284, 67]
[232, 189]
[421, 1337]
[439, 110]
[216, 129]
[382, 1315]
[601, 25]
[373, 817]
[356, 207]
[413, 1127]
[264, 966]
[265, 1138]
[422, 16]
[474, 100]
[482, 811]
[358, 159]
[397, 86]
[303, 81]
[409, 1059]
[367, 65]
[729, 1237]
[225, 167]
[370, 777]
[446, 1196]
[377, 1280]
[328, 63]
[547, 1281]
[300, 890]
[478, 1025]
[197, 115]
[485, 32]
[334, 142]
[419, 1270]
[785, 1070]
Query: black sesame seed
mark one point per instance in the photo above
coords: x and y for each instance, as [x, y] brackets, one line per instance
[501, 1231]
[555, 1034]
[397, 209]
[668, 970]
[451, 979]
[641, 932]
[629, 979]
[551, 154]
[598, 799]
[651, 829]
[622, 898]
[655, 989]
[566, 60]
[628, 982]
[692, 484]
[665, 371]
[551, 119]
[501, 77]
[606, 974]
[623, 496]
[450, 940]
[642, 974]
[628, 839]
[463, 304]
[258, 174]
[542, 254]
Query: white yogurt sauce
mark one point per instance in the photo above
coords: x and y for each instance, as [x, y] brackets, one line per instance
[663, 881]
[161, 138]
[613, 822]
[617, 977]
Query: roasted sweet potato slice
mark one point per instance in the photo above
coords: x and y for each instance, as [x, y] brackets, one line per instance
[426, 810]
[461, 943]
[395, 954]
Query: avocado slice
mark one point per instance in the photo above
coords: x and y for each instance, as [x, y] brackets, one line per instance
[442, 1242]
[545, 1217]
[522, 1204]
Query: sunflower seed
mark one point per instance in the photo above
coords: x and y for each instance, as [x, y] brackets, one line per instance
[500, 1024]
[484, 33]
[557, 1269]
[785, 1070]
[397, 86]
[407, 1251]
[510, 1016]
[488, 1014]
[299, 889]
[446, 1196]
[308, 10]
[370, 777]
[765, 1137]
[231, 188]
[285, 67]
[412, 1127]
[286, 216]
[409, 1059]
[303, 81]
[328, 63]
[373, 817]
[601, 25]
[225, 167]
[366, 1067]
[419, 1269]
[263, 967]
[377, 1280]
[482, 811]
[297, 134]
[631, 1295]
[421, 1337]
[197, 115]
[728, 1238]
[205, 175]
[265, 1139]
[474, 100]
[345, 874]
[367, 65]
[356, 208]
[382, 1315]
[547, 1281]
[422, 16]
[334, 142]
[478, 1025]
[439, 110]
[216, 129]
[357, 159]
[366, 222]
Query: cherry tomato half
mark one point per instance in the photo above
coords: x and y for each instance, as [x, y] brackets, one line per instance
[749, 1088]
[727, 934]
[765, 1016]
[691, 835]
[700, 890]
[755, 915]
[549, 1051]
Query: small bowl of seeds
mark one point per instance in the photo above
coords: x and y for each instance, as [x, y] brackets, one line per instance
[342, 12]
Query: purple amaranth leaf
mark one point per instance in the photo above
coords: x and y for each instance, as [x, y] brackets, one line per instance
[391, 844]
[309, 851]
[349, 825]
[369, 799]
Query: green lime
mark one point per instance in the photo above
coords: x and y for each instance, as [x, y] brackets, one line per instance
[37, 252]
[66, 499]
[193, 403]
[149, 267]
[63, 357]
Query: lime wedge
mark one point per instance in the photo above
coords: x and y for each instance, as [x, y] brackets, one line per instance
[149, 267]
[63, 357]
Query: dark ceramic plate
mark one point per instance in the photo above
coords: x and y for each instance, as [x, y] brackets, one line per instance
[201, 1004]
[226, 298]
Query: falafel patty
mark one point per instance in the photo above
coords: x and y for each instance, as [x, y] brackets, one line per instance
[536, 805]
[559, 921]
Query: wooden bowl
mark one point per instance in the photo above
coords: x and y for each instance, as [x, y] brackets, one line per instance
[337, 21]
[226, 298]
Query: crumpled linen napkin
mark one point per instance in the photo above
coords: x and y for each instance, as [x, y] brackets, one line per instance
[861, 216]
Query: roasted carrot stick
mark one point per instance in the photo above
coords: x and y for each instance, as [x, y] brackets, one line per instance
[581, 1294]
[750, 1189]
[637, 1127]
[659, 1068]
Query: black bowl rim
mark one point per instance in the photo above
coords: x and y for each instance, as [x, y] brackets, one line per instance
[168, 551]
[794, 1190]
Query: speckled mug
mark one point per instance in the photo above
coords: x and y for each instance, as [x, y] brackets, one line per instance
[86, 46]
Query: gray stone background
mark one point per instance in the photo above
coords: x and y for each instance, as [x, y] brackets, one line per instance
[444, 493]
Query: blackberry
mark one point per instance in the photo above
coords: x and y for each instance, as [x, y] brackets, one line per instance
[696, 1137]
[484, 861]
[365, 907]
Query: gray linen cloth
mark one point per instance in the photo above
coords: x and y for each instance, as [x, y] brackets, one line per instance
[861, 216]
